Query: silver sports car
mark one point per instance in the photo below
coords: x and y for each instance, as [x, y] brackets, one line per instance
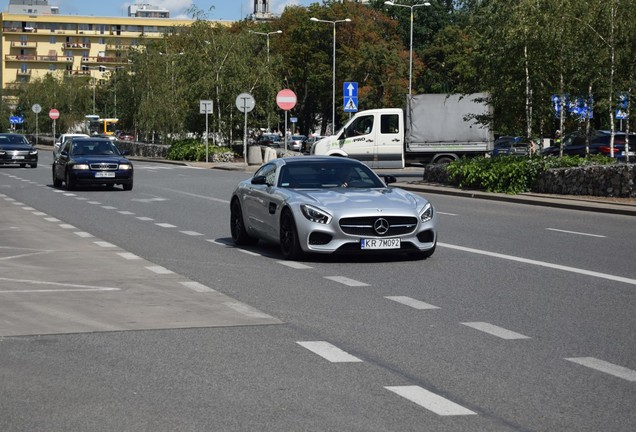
[327, 204]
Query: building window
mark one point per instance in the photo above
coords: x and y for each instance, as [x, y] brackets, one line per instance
[52, 67]
[53, 40]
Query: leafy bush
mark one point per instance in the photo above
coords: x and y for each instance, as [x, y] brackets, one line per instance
[510, 174]
[194, 150]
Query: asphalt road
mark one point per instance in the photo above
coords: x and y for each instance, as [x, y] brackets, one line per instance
[132, 311]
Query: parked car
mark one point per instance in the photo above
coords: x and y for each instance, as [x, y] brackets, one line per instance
[309, 142]
[323, 204]
[574, 144]
[511, 146]
[126, 136]
[296, 142]
[91, 161]
[269, 139]
[15, 149]
[63, 137]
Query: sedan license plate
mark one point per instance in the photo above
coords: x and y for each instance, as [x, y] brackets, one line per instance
[18, 157]
[104, 175]
[385, 243]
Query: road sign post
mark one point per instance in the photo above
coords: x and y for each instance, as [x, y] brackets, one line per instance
[245, 103]
[36, 108]
[286, 100]
[54, 115]
[206, 107]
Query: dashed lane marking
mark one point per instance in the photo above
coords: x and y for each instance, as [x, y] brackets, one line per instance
[329, 352]
[159, 270]
[295, 265]
[494, 330]
[431, 401]
[198, 287]
[606, 367]
[346, 281]
[67, 287]
[576, 232]
[408, 301]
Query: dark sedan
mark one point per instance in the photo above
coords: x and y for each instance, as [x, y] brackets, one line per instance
[92, 161]
[15, 149]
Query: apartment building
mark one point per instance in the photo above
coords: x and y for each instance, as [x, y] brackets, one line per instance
[40, 41]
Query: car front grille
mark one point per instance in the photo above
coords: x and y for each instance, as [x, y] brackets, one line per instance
[104, 166]
[366, 226]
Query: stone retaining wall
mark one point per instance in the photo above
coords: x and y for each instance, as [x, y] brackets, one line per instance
[597, 180]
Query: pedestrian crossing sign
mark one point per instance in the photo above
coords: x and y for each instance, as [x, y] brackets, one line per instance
[351, 104]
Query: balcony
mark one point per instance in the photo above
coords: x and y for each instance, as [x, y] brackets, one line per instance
[16, 44]
[78, 73]
[76, 45]
[104, 61]
[38, 58]
[23, 72]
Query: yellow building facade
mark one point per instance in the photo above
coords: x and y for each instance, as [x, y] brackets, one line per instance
[71, 46]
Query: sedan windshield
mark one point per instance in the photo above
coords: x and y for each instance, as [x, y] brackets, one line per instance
[95, 148]
[321, 175]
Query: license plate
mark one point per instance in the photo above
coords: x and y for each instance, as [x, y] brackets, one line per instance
[104, 175]
[385, 243]
[18, 157]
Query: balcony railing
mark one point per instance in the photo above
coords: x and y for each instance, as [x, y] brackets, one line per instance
[39, 58]
[23, 72]
[101, 60]
[22, 44]
[78, 73]
[76, 45]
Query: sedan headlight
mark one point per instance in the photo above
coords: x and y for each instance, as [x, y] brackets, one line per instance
[427, 214]
[314, 214]
[2, 152]
[33, 152]
[125, 167]
[80, 167]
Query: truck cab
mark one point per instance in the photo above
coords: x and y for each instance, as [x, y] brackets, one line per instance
[375, 137]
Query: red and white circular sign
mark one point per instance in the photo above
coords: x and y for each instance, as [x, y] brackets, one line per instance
[54, 114]
[286, 99]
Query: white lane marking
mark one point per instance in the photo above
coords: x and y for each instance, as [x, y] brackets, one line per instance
[166, 225]
[606, 367]
[23, 255]
[431, 401]
[494, 330]
[147, 200]
[246, 310]
[39, 213]
[81, 198]
[35, 282]
[128, 255]
[104, 244]
[67, 226]
[70, 194]
[124, 212]
[447, 214]
[83, 234]
[329, 352]
[346, 281]
[9, 199]
[159, 270]
[52, 219]
[199, 196]
[109, 208]
[58, 290]
[543, 264]
[576, 232]
[408, 301]
[294, 265]
[95, 202]
[191, 233]
[28, 208]
[18, 203]
[196, 286]
[220, 243]
[146, 219]
[249, 252]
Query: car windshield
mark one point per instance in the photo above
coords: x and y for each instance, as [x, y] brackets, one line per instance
[321, 176]
[13, 139]
[94, 148]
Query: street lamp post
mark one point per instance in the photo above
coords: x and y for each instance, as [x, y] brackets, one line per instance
[412, 7]
[267, 35]
[333, 97]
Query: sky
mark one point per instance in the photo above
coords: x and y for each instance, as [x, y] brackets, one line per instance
[232, 10]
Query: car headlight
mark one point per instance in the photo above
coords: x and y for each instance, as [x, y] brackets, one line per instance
[3, 152]
[33, 152]
[125, 167]
[427, 214]
[315, 214]
[80, 167]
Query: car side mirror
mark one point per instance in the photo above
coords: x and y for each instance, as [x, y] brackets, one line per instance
[259, 180]
[388, 179]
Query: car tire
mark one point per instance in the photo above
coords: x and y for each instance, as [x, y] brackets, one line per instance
[237, 226]
[289, 243]
[34, 165]
[22, 165]
[56, 182]
[127, 186]
[70, 183]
